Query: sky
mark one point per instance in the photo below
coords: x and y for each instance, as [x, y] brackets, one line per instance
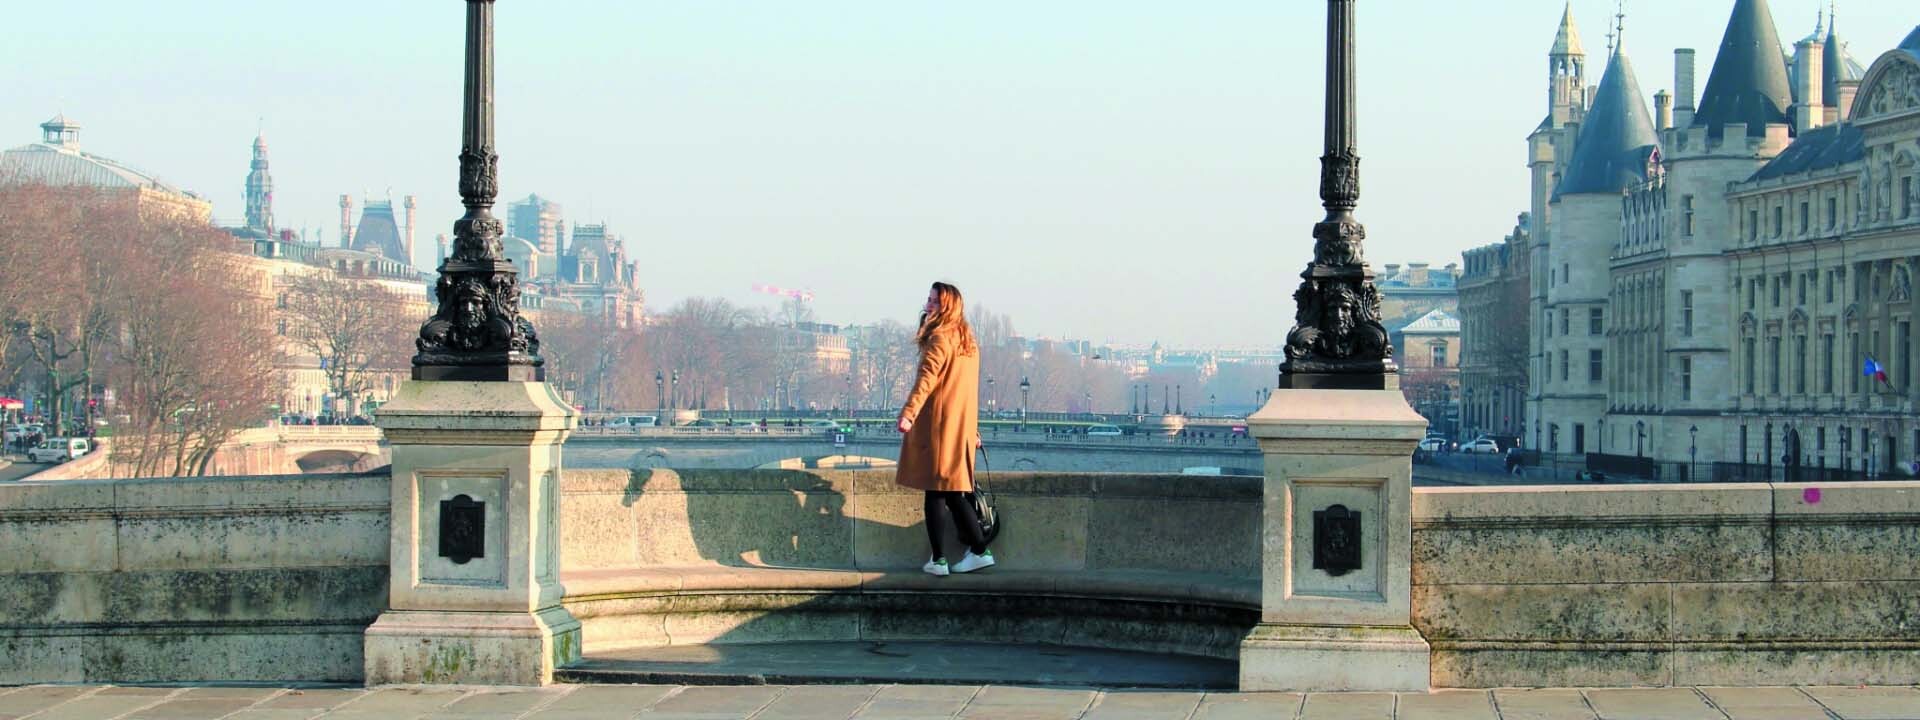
[1123, 171]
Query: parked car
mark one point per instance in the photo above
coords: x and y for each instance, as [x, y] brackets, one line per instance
[15, 432]
[630, 422]
[1433, 444]
[1104, 431]
[1485, 445]
[59, 450]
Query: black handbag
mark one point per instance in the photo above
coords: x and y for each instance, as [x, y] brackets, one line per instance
[982, 500]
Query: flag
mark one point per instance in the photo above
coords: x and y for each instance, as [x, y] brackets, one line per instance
[1875, 370]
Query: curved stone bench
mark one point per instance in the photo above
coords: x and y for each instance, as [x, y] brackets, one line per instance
[1150, 563]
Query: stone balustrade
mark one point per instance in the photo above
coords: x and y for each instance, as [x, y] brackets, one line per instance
[663, 557]
[276, 578]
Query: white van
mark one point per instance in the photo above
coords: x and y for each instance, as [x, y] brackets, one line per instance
[59, 450]
[631, 422]
[1104, 431]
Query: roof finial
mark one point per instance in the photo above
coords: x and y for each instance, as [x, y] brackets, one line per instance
[1833, 17]
[1619, 26]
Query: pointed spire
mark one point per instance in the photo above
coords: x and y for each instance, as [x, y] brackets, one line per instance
[1611, 152]
[1748, 84]
[1567, 41]
[1619, 26]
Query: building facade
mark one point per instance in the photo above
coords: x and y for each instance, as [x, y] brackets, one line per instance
[1757, 251]
[1494, 322]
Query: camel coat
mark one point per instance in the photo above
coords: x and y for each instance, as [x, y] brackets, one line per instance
[945, 407]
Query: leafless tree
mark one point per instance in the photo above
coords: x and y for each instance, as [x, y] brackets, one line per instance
[357, 328]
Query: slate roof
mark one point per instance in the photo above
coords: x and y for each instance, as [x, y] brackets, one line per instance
[1436, 321]
[66, 164]
[377, 233]
[1616, 139]
[1817, 149]
[1749, 79]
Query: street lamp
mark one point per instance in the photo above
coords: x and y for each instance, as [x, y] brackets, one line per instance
[993, 397]
[1211, 399]
[1603, 435]
[660, 392]
[1025, 387]
[675, 402]
[1693, 445]
[1639, 436]
[1089, 402]
[1178, 408]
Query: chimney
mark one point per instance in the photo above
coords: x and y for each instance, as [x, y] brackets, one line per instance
[1416, 274]
[346, 221]
[1683, 87]
[1662, 110]
[1808, 83]
[1392, 270]
[441, 240]
[408, 201]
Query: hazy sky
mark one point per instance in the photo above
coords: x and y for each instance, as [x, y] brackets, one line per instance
[1116, 170]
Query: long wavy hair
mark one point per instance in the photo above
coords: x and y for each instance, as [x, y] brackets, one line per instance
[950, 316]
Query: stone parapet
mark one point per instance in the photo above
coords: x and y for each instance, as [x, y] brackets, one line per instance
[1735, 584]
[203, 579]
[659, 557]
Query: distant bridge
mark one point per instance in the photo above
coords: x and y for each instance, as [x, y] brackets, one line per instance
[744, 447]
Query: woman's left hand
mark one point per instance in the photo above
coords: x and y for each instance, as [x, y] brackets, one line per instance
[906, 425]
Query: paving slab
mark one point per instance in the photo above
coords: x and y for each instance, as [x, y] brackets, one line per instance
[603, 701]
[403, 701]
[1652, 704]
[1249, 706]
[1766, 703]
[714, 702]
[818, 702]
[505, 701]
[35, 698]
[1523, 704]
[276, 714]
[231, 692]
[1446, 705]
[1144, 705]
[97, 707]
[1348, 706]
[913, 702]
[1028, 703]
[191, 709]
[875, 663]
[147, 690]
[323, 699]
[1870, 703]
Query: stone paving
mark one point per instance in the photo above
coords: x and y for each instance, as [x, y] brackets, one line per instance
[987, 702]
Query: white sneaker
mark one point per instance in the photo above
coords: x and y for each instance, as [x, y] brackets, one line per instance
[937, 567]
[973, 562]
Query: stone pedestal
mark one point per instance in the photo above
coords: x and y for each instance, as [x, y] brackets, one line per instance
[1336, 567]
[474, 587]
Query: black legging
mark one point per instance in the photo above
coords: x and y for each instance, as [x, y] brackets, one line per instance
[962, 511]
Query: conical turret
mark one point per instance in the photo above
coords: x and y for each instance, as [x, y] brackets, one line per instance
[1749, 79]
[1617, 138]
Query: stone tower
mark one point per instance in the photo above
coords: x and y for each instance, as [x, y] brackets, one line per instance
[1616, 147]
[1549, 147]
[260, 189]
[1744, 120]
[1567, 72]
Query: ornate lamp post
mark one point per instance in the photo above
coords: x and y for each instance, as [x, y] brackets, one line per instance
[675, 402]
[1025, 387]
[477, 332]
[1337, 341]
[660, 392]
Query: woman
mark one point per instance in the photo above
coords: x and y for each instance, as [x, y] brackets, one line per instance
[941, 422]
